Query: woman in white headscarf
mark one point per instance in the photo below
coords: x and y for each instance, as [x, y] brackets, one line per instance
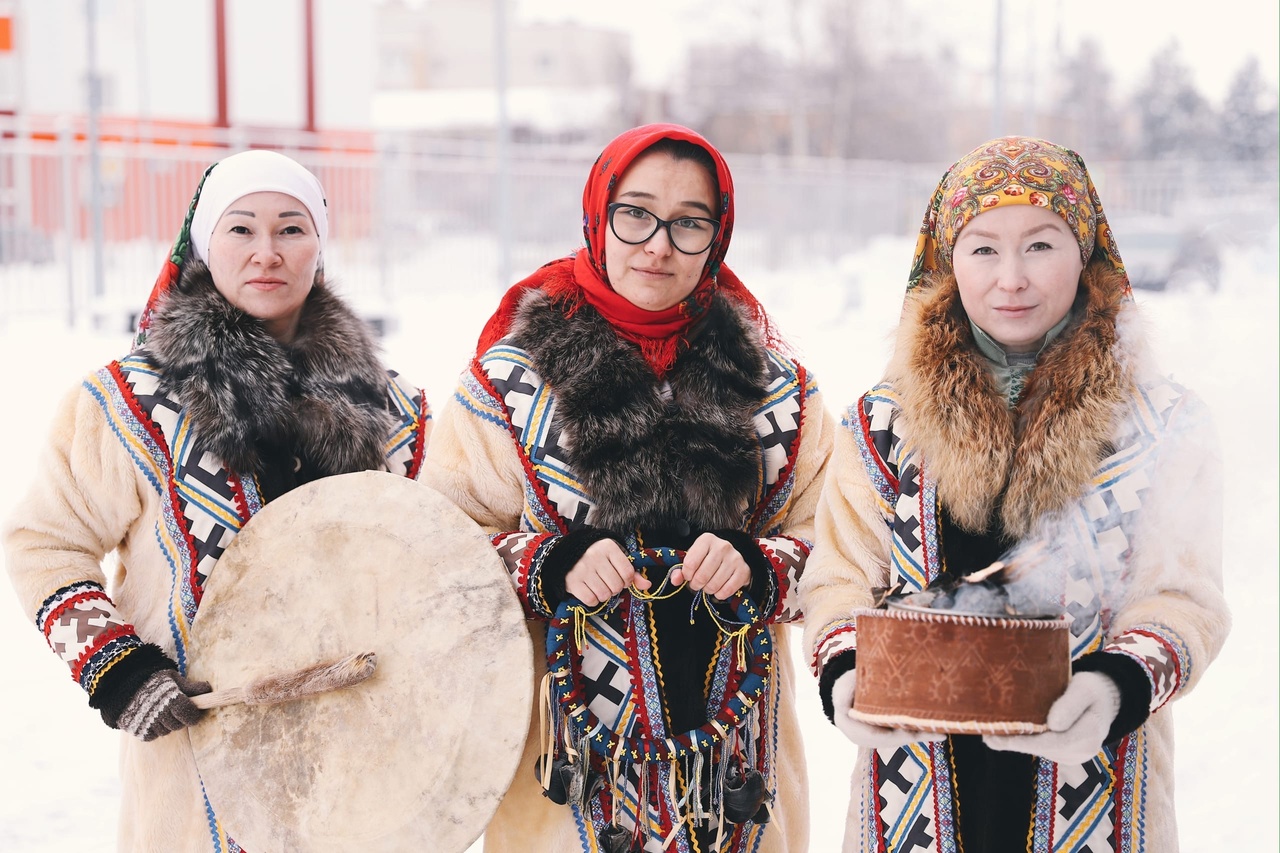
[248, 378]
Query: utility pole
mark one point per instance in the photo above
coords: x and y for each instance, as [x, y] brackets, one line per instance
[95, 160]
[220, 61]
[997, 81]
[309, 53]
[504, 143]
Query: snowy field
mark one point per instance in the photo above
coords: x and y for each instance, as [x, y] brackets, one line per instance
[58, 789]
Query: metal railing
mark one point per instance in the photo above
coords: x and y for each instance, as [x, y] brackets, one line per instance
[412, 214]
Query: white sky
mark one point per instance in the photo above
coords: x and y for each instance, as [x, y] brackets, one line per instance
[1215, 37]
[173, 77]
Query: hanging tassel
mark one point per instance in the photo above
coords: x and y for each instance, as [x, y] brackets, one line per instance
[700, 813]
[546, 712]
[751, 726]
[579, 628]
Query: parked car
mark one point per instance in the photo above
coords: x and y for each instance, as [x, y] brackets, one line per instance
[1161, 253]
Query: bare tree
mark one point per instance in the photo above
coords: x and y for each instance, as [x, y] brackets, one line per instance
[1250, 121]
[1085, 116]
[1175, 120]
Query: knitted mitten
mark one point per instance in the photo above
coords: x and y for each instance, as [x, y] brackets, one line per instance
[161, 706]
[1078, 722]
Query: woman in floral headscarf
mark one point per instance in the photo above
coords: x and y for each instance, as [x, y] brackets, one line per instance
[1018, 409]
[648, 462]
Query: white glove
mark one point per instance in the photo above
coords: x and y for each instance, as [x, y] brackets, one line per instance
[866, 734]
[1078, 722]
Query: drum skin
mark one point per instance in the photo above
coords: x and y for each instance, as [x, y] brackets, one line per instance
[418, 756]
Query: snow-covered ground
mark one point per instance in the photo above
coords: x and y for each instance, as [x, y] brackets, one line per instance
[58, 789]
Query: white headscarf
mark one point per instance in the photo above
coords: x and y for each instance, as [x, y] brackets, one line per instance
[255, 172]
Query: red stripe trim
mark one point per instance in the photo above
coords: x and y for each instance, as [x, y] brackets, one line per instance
[420, 445]
[477, 370]
[1122, 834]
[874, 805]
[780, 571]
[73, 602]
[865, 423]
[527, 591]
[793, 452]
[818, 647]
[98, 642]
[175, 503]
[1173, 656]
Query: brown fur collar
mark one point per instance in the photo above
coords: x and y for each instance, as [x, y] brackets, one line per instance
[648, 461]
[323, 396]
[991, 463]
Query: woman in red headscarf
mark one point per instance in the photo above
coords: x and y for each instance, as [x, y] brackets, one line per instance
[647, 459]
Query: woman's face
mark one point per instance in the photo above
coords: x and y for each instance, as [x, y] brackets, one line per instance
[654, 275]
[1018, 269]
[263, 256]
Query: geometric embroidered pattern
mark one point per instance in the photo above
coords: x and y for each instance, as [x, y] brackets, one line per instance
[530, 406]
[778, 422]
[504, 389]
[787, 555]
[203, 504]
[1161, 654]
[836, 638]
[83, 627]
[1096, 806]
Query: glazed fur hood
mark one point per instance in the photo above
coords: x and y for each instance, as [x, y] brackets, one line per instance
[992, 463]
[626, 438]
[323, 395]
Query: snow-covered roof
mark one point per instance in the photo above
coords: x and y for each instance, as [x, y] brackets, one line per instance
[544, 108]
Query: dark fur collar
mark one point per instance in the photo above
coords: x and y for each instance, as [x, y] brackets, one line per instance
[991, 463]
[323, 396]
[647, 461]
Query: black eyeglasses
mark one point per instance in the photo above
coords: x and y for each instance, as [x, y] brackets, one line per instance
[691, 235]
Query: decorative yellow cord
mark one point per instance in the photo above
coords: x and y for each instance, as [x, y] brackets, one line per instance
[662, 593]
[658, 594]
[580, 615]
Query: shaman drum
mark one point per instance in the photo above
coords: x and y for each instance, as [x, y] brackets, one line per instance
[419, 755]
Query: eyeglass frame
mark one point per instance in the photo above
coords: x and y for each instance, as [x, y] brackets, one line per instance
[661, 224]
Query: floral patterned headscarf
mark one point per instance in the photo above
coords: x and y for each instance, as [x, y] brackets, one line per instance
[1007, 171]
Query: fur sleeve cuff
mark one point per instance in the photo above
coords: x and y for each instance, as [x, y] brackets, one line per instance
[836, 667]
[1135, 689]
[764, 583]
[117, 686]
[564, 554]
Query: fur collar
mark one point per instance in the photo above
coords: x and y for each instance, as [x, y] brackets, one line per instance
[648, 460]
[991, 463]
[323, 396]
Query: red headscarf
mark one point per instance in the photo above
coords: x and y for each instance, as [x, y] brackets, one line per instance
[582, 277]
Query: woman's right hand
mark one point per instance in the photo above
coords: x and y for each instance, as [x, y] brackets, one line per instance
[602, 572]
[865, 734]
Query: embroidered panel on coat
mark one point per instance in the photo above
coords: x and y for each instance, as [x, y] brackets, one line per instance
[1097, 805]
[203, 504]
[527, 404]
[507, 392]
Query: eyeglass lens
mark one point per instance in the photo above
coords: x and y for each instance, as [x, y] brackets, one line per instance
[689, 234]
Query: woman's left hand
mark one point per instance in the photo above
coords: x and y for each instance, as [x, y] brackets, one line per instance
[713, 566]
[1078, 722]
